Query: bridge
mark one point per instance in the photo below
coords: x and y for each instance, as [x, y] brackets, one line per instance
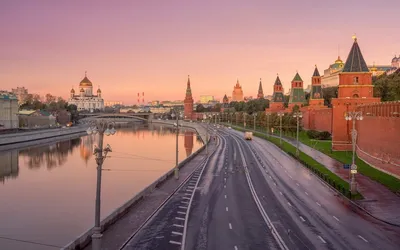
[118, 117]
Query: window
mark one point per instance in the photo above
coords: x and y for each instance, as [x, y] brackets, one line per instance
[355, 80]
[355, 96]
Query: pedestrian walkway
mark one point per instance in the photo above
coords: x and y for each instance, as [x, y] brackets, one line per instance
[379, 201]
[120, 231]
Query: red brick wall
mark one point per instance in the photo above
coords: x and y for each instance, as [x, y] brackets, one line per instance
[379, 136]
[319, 119]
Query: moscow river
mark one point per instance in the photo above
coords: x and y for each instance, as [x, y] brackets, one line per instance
[47, 192]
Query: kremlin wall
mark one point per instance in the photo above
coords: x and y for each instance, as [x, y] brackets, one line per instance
[378, 139]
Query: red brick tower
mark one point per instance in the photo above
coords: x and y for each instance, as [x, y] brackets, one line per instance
[188, 102]
[277, 102]
[297, 96]
[260, 91]
[316, 97]
[355, 88]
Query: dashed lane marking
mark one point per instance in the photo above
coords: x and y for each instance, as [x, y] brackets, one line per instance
[224, 186]
[230, 226]
[183, 207]
[175, 242]
[226, 209]
[180, 212]
[179, 218]
[359, 236]
[302, 219]
[236, 248]
[186, 198]
[336, 218]
[176, 225]
[318, 203]
[323, 241]
[306, 193]
[275, 183]
[289, 204]
[177, 233]
[298, 184]
[225, 196]
[290, 177]
[185, 202]
[280, 193]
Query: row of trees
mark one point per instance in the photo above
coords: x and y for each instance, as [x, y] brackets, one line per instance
[387, 87]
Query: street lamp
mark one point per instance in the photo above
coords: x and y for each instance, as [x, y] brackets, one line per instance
[244, 120]
[268, 114]
[280, 115]
[353, 116]
[297, 115]
[102, 127]
[176, 114]
[254, 125]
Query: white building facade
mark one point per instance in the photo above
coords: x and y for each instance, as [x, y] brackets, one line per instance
[8, 110]
[85, 100]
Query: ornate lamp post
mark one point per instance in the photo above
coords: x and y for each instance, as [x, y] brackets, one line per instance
[353, 116]
[280, 115]
[102, 127]
[254, 125]
[176, 114]
[268, 114]
[244, 120]
[232, 118]
[297, 115]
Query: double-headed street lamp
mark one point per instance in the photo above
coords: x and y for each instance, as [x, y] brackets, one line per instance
[353, 116]
[297, 115]
[176, 114]
[280, 115]
[268, 114]
[102, 127]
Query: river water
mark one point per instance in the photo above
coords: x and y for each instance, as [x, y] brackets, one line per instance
[47, 192]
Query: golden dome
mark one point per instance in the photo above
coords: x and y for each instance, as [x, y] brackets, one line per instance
[85, 82]
[72, 91]
[82, 90]
[338, 60]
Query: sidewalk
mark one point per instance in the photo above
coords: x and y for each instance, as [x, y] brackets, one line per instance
[379, 201]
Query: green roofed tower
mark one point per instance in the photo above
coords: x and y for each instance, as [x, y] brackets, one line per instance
[297, 96]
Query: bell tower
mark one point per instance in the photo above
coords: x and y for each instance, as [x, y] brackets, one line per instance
[188, 102]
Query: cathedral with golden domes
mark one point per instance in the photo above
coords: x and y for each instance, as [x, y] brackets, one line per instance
[85, 100]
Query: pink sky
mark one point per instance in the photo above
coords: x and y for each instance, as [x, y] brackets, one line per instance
[151, 46]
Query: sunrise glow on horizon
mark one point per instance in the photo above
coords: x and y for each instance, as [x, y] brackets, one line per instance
[151, 46]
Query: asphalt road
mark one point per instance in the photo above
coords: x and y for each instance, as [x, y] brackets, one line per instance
[251, 195]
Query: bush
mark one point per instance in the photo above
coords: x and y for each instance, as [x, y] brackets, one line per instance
[313, 134]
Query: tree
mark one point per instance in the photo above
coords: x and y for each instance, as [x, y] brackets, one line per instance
[200, 108]
[387, 87]
[49, 98]
[329, 93]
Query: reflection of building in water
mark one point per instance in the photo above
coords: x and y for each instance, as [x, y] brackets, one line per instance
[86, 147]
[9, 165]
[188, 142]
[53, 155]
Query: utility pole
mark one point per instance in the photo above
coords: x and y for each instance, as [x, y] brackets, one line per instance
[176, 170]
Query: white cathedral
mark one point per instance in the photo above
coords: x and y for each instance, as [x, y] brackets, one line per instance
[85, 100]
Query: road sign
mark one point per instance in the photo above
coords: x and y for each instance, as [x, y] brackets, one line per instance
[353, 171]
[346, 166]
[353, 167]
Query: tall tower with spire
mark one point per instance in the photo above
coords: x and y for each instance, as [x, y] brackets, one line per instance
[188, 102]
[297, 96]
[355, 88]
[277, 102]
[237, 93]
[260, 94]
[316, 97]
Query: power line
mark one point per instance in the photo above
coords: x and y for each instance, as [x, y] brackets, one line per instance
[30, 242]
[137, 158]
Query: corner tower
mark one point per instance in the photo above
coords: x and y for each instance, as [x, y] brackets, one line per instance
[188, 102]
[297, 96]
[355, 88]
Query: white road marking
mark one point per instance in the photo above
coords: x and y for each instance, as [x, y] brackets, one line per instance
[336, 218]
[318, 203]
[224, 179]
[185, 202]
[298, 184]
[281, 193]
[362, 238]
[188, 194]
[275, 183]
[179, 218]
[236, 248]
[270, 177]
[323, 241]
[176, 233]
[225, 196]
[224, 186]
[175, 242]
[186, 198]
[183, 207]
[190, 186]
[290, 177]
[230, 226]
[306, 193]
[285, 171]
[226, 209]
[177, 225]
[302, 219]
[179, 212]
[289, 204]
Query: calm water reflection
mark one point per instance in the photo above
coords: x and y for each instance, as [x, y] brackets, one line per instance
[47, 192]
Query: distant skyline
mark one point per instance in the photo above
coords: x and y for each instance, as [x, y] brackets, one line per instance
[128, 47]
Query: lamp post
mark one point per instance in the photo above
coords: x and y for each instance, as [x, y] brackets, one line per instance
[176, 114]
[204, 119]
[232, 118]
[353, 116]
[254, 125]
[297, 115]
[102, 127]
[236, 122]
[244, 120]
[280, 115]
[268, 114]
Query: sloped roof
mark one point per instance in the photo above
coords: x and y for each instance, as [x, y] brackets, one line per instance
[355, 61]
[316, 72]
[297, 78]
[277, 81]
